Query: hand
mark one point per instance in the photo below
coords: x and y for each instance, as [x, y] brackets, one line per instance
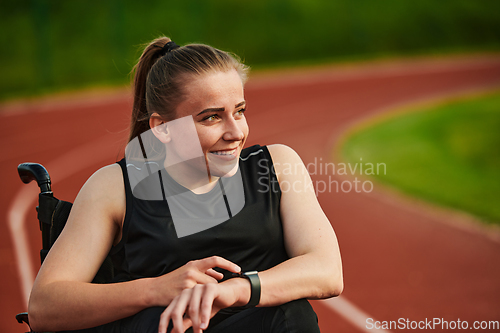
[195, 306]
[195, 272]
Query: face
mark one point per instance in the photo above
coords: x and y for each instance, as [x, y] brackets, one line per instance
[216, 103]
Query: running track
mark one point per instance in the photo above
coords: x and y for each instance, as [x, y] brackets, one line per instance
[401, 259]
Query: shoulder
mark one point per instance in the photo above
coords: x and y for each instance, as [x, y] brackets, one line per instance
[286, 161]
[284, 156]
[282, 153]
[106, 178]
[104, 189]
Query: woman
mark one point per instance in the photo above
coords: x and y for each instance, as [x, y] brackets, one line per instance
[167, 272]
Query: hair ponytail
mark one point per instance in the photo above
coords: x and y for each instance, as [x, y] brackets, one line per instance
[160, 77]
[140, 115]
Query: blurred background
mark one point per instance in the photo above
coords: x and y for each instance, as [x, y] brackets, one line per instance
[399, 260]
[53, 45]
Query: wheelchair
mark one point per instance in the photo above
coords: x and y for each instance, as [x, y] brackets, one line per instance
[52, 215]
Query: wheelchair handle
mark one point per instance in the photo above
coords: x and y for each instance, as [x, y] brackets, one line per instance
[34, 171]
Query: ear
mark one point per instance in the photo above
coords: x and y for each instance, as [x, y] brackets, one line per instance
[159, 128]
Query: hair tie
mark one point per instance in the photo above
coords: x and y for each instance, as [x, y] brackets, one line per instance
[168, 47]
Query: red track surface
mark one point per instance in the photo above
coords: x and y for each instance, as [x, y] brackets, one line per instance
[398, 262]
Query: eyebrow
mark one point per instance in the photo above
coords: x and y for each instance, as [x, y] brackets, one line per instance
[220, 109]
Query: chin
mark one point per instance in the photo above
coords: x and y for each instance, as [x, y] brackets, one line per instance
[223, 170]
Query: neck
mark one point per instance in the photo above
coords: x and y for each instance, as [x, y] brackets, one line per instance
[192, 175]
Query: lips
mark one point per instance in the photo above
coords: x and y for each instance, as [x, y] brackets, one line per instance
[224, 152]
[223, 156]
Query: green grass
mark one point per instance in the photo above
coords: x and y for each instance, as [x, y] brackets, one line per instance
[48, 45]
[448, 154]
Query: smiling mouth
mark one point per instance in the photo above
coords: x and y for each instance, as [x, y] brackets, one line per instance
[224, 152]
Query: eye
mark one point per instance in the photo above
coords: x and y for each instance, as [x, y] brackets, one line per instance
[240, 112]
[211, 117]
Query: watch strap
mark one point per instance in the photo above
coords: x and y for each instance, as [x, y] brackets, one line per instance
[253, 277]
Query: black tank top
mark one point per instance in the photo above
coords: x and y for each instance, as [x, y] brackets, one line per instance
[252, 238]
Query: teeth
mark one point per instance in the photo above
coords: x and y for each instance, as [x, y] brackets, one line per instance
[227, 152]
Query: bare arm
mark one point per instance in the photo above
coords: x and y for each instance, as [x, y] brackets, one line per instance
[63, 297]
[313, 271]
[315, 268]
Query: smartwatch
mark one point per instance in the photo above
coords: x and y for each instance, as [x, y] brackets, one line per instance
[253, 277]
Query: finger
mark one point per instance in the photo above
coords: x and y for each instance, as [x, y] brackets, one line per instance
[179, 309]
[187, 323]
[213, 273]
[203, 278]
[216, 261]
[165, 317]
[194, 307]
[207, 300]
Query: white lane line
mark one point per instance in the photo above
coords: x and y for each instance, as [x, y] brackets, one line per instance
[61, 168]
[24, 199]
[351, 313]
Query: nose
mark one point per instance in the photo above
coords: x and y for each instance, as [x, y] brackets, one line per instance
[234, 130]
